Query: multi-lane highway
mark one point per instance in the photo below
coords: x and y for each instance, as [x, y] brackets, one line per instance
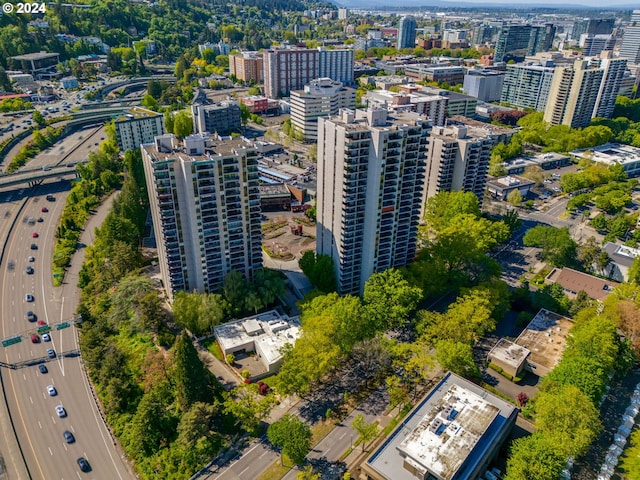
[38, 428]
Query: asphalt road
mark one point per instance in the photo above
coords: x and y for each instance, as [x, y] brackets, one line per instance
[251, 462]
[72, 149]
[38, 428]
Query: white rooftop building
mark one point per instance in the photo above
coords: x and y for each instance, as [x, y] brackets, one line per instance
[612, 154]
[452, 434]
[265, 334]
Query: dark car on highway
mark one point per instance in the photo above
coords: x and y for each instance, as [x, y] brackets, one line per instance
[84, 465]
[68, 436]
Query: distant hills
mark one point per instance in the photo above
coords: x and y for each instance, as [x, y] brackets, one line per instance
[431, 4]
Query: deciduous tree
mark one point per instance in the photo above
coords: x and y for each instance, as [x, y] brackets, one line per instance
[292, 436]
[367, 431]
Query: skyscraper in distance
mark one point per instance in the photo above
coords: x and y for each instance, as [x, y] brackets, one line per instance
[406, 32]
[630, 48]
[517, 41]
[370, 179]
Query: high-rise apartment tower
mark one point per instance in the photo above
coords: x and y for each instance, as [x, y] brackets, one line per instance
[370, 179]
[205, 207]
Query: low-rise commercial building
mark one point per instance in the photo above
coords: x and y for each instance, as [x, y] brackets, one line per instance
[622, 258]
[613, 154]
[500, 188]
[538, 349]
[453, 433]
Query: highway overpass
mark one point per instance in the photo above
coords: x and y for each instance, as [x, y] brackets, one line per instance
[37, 176]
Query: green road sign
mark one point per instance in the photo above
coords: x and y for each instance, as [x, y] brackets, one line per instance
[11, 341]
[44, 329]
[62, 325]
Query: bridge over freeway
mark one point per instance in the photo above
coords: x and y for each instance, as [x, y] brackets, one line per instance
[37, 176]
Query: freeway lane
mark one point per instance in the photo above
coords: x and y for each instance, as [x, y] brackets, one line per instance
[38, 428]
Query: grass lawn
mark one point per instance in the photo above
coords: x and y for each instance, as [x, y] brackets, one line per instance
[213, 347]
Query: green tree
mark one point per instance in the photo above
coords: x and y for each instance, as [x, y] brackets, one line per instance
[514, 197]
[149, 102]
[154, 88]
[39, 118]
[557, 245]
[367, 431]
[536, 457]
[182, 124]
[249, 407]
[190, 376]
[390, 299]
[567, 417]
[168, 121]
[196, 424]
[442, 208]
[457, 357]
[308, 474]
[292, 436]
[630, 461]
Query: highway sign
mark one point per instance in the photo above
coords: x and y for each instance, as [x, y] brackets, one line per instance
[44, 329]
[11, 341]
[62, 325]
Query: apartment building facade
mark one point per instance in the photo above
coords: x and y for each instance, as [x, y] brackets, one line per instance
[630, 47]
[205, 207]
[222, 117]
[515, 42]
[370, 179]
[247, 66]
[458, 159]
[406, 32]
[573, 94]
[320, 98]
[614, 72]
[138, 126]
[528, 85]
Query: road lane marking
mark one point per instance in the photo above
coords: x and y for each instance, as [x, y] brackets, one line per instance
[39, 424]
[31, 398]
[50, 451]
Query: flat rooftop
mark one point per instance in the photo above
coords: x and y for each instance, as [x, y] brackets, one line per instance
[610, 154]
[510, 181]
[35, 56]
[270, 330]
[509, 352]
[545, 337]
[274, 191]
[214, 146]
[447, 434]
[136, 113]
